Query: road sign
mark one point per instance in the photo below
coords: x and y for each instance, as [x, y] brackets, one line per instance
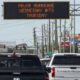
[65, 44]
[36, 10]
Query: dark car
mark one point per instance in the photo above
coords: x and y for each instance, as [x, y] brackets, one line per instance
[21, 67]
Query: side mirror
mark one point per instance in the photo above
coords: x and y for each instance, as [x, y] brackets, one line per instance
[48, 69]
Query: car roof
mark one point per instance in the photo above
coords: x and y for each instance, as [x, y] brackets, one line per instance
[45, 59]
[66, 54]
[18, 54]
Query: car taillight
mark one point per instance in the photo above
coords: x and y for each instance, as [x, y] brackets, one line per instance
[53, 72]
[46, 77]
[14, 56]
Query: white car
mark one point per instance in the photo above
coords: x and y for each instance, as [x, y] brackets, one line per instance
[64, 66]
[45, 61]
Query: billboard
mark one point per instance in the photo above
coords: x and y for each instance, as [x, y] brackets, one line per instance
[36, 10]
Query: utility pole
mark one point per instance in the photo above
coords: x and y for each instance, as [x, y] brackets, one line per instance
[74, 30]
[49, 37]
[56, 36]
[42, 41]
[35, 40]
[64, 34]
[60, 38]
[45, 39]
[71, 27]
[53, 37]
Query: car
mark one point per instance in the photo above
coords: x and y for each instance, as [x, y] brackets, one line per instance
[17, 66]
[64, 66]
[45, 61]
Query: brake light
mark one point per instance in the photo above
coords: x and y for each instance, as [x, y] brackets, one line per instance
[46, 77]
[14, 55]
[53, 72]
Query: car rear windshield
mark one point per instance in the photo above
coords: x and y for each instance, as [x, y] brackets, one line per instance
[66, 60]
[23, 61]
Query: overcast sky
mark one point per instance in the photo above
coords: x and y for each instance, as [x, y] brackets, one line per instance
[22, 30]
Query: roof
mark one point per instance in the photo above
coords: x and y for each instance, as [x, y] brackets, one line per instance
[66, 54]
[16, 54]
[45, 59]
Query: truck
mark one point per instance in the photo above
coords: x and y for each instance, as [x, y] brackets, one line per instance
[21, 67]
[64, 66]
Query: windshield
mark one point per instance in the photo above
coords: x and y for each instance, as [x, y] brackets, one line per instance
[24, 61]
[66, 60]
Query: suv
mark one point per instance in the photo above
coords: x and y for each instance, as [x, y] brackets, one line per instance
[64, 66]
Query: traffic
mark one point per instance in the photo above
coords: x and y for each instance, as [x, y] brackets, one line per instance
[40, 40]
[21, 67]
[18, 66]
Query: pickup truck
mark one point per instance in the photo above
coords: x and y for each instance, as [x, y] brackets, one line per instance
[64, 66]
[21, 67]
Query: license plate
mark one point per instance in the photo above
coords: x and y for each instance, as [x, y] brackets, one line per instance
[16, 78]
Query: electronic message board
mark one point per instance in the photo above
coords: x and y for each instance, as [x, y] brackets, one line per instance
[36, 10]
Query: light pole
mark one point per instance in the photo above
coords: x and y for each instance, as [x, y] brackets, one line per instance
[74, 29]
[56, 36]
[60, 38]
